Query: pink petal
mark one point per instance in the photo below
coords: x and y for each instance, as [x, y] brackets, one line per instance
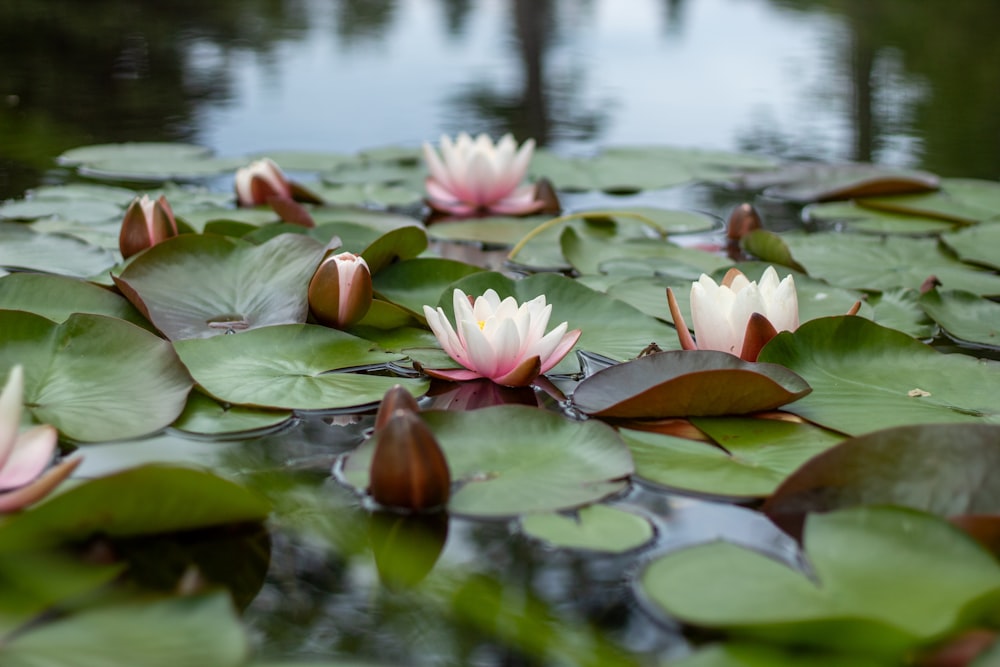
[32, 453]
[565, 345]
[522, 375]
[41, 487]
[10, 413]
[454, 375]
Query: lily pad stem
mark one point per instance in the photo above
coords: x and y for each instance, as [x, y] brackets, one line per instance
[548, 224]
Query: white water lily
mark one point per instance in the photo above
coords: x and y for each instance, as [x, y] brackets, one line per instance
[499, 339]
[24, 456]
[473, 175]
[739, 315]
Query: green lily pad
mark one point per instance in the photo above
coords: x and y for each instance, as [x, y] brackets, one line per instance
[58, 297]
[191, 630]
[962, 200]
[963, 315]
[119, 505]
[394, 246]
[900, 309]
[370, 194]
[687, 384]
[979, 244]
[589, 255]
[812, 182]
[167, 448]
[93, 377]
[855, 218]
[200, 218]
[416, 282]
[666, 221]
[304, 160]
[193, 286]
[178, 167]
[205, 416]
[858, 261]
[512, 460]
[86, 211]
[596, 528]
[866, 377]
[289, 367]
[84, 192]
[754, 456]
[149, 150]
[743, 654]
[490, 230]
[24, 249]
[609, 327]
[859, 599]
[944, 469]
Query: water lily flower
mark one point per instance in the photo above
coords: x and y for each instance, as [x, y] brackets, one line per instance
[340, 292]
[739, 316]
[259, 182]
[24, 456]
[499, 340]
[145, 224]
[473, 175]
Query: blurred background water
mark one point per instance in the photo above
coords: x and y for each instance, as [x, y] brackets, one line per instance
[892, 81]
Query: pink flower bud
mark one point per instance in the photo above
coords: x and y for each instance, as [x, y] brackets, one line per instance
[340, 292]
[260, 181]
[146, 223]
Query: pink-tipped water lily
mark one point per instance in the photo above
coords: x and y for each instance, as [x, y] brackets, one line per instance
[340, 292]
[24, 456]
[473, 175]
[738, 316]
[261, 180]
[146, 223]
[499, 340]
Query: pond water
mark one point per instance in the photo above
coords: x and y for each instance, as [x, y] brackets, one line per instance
[329, 578]
[882, 81]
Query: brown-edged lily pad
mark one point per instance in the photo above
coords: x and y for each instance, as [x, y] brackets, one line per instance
[692, 383]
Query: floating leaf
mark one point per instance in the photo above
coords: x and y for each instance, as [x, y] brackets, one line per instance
[196, 630]
[490, 230]
[900, 309]
[741, 654]
[119, 505]
[963, 315]
[205, 416]
[856, 218]
[962, 200]
[22, 248]
[859, 599]
[199, 286]
[199, 219]
[93, 377]
[86, 211]
[139, 150]
[866, 377]
[770, 248]
[755, 455]
[809, 182]
[589, 255]
[289, 367]
[394, 246]
[859, 261]
[58, 297]
[686, 384]
[980, 244]
[945, 469]
[416, 282]
[512, 460]
[596, 528]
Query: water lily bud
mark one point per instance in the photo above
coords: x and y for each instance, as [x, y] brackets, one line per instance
[743, 220]
[408, 469]
[499, 339]
[260, 181]
[472, 176]
[145, 224]
[395, 401]
[340, 292]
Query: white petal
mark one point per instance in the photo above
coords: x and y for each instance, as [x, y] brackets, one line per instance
[31, 456]
[10, 412]
[482, 357]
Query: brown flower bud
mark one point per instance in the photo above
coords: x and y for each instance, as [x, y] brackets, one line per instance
[408, 469]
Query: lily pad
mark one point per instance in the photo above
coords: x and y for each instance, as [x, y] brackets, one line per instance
[601, 528]
[144, 150]
[860, 599]
[855, 218]
[58, 297]
[86, 211]
[416, 282]
[744, 654]
[200, 286]
[753, 457]
[900, 309]
[979, 244]
[940, 468]
[93, 377]
[866, 377]
[770, 248]
[960, 200]
[610, 327]
[394, 246]
[178, 167]
[511, 460]
[814, 182]
[963, 315]
[24, 249]
[119, 505]
[858, 261]
[596, 256]
[687, 384]
[289, 367]
[200, 218]
[205, 416]
[193, 630]
[490, 230]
